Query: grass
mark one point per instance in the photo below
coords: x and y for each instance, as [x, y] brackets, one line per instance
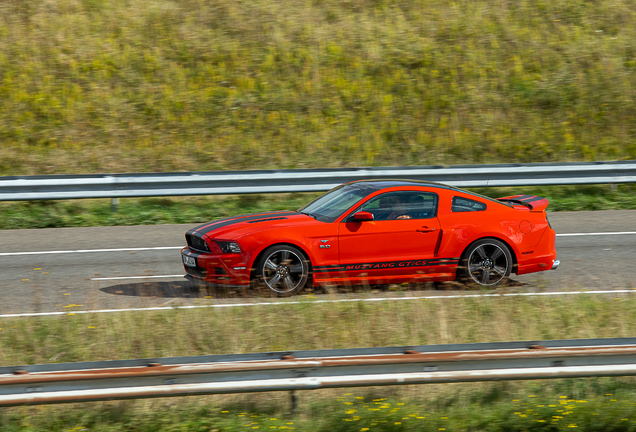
[364, 412]
[108, 86]
[182, 332]
[595, 404]
[193, 210]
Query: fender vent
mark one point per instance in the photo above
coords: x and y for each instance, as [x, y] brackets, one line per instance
[266, 220]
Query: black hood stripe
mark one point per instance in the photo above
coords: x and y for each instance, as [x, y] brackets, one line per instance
[206, 228]
[205, 225]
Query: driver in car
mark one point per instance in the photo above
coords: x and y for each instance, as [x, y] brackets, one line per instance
[400, 208]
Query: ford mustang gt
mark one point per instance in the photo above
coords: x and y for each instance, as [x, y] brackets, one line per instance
[376, 232]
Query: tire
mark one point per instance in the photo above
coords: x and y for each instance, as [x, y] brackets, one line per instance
[486, 262]
[283, 269]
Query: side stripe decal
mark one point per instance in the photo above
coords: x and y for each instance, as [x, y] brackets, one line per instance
[386, 265]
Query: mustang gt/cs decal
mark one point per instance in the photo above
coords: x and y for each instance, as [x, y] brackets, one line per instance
[386, 265]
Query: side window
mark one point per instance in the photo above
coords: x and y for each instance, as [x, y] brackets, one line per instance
[467, 205]
[402, 205]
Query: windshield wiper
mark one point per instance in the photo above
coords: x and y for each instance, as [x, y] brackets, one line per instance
[309, 214]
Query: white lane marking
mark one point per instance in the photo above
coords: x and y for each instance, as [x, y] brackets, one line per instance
[596, 234]
[138, 277]
[91, 251]
[181, 247]
[312, 301]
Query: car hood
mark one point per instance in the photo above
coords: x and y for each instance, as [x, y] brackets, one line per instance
[237, 226]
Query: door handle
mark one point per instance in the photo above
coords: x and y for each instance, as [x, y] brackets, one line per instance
[425, 229]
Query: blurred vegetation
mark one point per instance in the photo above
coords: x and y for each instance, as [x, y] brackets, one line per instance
[140, 211]
[110, 86]
[193, 210]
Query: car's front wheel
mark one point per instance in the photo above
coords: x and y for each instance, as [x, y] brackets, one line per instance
[486, 262]
[283, 269]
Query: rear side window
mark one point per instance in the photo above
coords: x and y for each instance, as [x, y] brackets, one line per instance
[466, 205]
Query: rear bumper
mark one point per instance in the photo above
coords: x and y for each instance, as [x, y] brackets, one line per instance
[543, 256]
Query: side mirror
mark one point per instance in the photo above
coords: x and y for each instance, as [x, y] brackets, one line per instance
[362, 216]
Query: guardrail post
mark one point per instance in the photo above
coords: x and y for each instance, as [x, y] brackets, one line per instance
[115, 205]
[294, 402]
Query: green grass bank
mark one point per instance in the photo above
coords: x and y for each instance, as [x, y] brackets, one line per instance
[108, 86]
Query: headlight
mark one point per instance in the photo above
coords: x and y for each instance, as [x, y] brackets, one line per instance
[229, 247]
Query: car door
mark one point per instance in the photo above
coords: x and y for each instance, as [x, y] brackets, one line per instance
[400, 240]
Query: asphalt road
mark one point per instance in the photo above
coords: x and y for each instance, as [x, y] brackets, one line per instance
[39, 275]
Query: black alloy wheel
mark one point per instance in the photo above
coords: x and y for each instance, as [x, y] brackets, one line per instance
[283, 269]
[486, 262]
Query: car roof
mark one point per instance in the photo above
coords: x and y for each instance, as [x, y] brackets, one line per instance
[390, 183]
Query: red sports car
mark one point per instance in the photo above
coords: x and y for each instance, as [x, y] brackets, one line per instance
[376, 232]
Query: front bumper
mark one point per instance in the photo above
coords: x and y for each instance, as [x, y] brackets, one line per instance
[225, 269]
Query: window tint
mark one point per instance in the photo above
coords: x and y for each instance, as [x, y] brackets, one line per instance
[402, 205]
[466, 205]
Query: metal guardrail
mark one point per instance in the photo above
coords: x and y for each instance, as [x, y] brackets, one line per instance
[309, 370]
[23, 188]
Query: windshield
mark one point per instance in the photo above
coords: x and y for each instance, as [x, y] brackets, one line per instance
[331, 205]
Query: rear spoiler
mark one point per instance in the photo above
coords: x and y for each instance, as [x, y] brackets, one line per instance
[532, 202]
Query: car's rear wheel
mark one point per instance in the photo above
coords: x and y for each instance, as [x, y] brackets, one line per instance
[486, 262]
[283, 269]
